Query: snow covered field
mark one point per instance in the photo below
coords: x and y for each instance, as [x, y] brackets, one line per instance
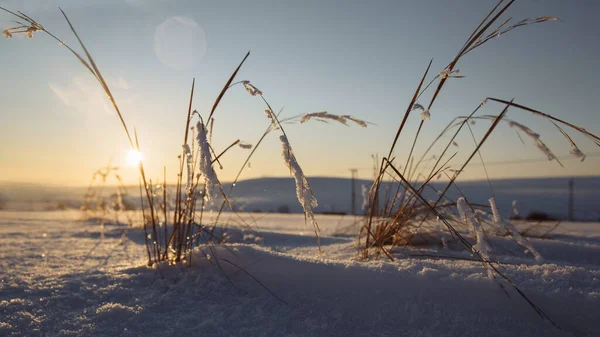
[61, 275]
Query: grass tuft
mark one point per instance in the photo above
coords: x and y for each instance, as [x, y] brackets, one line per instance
[403, 214]
[173, 221]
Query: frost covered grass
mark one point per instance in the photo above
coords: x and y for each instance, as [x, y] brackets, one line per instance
[401, 215]
[174, 224]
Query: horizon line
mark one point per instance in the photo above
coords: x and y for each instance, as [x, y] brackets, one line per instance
[7, 182]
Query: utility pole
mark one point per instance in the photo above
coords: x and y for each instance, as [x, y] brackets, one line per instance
[571, 201]
[354, 174]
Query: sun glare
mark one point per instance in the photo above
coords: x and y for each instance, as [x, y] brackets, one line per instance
[134, 157]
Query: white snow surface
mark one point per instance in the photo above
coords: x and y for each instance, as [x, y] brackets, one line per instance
[62, 275]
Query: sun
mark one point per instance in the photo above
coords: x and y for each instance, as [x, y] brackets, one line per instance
[134, 157]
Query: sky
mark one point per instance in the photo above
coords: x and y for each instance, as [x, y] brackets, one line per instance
[359, 58]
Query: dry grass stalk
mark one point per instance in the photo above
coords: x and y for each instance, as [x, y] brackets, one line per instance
[97, 205]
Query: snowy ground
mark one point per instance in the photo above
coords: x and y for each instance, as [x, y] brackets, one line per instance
[59, 276]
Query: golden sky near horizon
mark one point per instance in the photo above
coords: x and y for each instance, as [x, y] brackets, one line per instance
[58, 127]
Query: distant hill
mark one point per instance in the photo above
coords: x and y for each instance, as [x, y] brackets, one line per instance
[548, 195]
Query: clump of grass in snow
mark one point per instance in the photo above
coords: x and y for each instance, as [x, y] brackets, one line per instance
[398, 217]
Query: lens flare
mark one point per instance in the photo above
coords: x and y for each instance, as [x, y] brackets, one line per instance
[179, 42]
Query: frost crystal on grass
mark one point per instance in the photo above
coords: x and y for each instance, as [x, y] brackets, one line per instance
[508, 227]
[324, 116]
[514, 208]
[535, 137]
[205, 165]
[188, 160]
[245, 146]
[466, 213]
[417, 106]
[252, 90]
[356, 120]
[269, 114]
[364, 192]
[575, 151]
[425, 114]
[28, 30]
[303, 190]
[496, 214]
[545, 149]
[445, 73]
[304, 193]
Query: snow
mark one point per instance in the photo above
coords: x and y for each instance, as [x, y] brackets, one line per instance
[64, 275]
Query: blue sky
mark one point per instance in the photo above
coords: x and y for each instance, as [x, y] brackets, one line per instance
[347, 57]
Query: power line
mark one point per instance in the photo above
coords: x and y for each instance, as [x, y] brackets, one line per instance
[500, 162]
[532, 160]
